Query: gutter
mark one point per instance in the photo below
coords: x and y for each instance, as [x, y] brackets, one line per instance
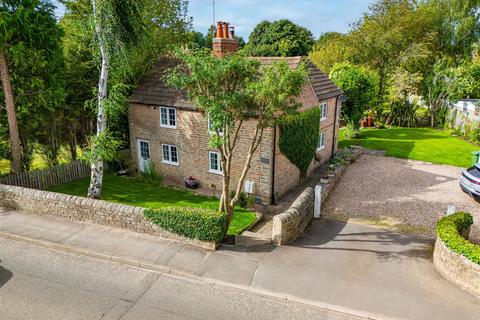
[272, 196]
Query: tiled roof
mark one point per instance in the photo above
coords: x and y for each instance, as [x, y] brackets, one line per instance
[152, 90]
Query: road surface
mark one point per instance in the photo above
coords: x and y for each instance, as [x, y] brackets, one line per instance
[40, 283]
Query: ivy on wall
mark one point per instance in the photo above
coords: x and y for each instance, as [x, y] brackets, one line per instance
[299, 134]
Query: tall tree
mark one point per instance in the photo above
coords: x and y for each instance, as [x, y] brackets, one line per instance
[360, 86]
[231, 91]
[279, 38]
[32, 72]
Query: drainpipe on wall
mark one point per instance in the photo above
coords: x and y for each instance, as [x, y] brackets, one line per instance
[335, 126]
[273, 164]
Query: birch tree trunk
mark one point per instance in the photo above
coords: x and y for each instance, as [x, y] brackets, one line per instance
[16, 164]
[96, 177]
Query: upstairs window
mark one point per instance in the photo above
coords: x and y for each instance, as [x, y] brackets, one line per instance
[211, 130]
[323, 111]
[168, 117]
[170, 154]
[321, 140]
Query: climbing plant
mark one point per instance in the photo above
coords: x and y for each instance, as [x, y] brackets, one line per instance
[298, 138]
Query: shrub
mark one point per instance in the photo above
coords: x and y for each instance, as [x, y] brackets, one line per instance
[298, 139]
[350, 131]
[450, 230]
[242, 199]
[195, 223]
[151, 174]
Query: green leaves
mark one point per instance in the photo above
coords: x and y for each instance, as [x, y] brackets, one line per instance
[195, 223]
[280, 38]
[299, 134]
[102, 146]
[450, 230]
[359, 84]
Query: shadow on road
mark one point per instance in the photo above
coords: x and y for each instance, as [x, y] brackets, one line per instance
[333, 235]
[5, 275]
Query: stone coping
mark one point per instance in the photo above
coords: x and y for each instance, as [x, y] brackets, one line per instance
[89, 210]
[457, 268]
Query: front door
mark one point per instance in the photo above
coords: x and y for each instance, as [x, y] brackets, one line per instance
[143, 154]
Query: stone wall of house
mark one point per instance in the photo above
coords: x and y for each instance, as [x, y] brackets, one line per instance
[191, 137]
[287, 174]
[88, 210]
[289, 225]
[457, 268]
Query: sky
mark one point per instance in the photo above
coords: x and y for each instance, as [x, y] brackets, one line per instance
[319, 16]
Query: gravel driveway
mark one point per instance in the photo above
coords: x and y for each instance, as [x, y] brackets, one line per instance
[408, 194]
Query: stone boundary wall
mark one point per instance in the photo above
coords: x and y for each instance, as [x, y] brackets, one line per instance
[457, 268]
[289, 225]
[88, 210]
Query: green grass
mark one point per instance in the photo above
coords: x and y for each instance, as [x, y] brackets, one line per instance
[424, 144]
[137, 193]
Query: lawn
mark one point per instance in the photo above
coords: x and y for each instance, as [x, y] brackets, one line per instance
[424, 144]
[137, 193]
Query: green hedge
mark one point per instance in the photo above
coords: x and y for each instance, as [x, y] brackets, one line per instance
[298, 139]
[195, 223]
[450, 230]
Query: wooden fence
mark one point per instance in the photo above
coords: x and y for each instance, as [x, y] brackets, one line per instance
[46, 178]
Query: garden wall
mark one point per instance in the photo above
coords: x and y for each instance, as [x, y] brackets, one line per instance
[88, 210]
[289, 225]
[457, 268]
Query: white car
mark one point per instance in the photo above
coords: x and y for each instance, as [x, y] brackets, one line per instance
[470, 181]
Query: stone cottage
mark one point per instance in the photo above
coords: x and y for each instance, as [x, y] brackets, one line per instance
[167, 129]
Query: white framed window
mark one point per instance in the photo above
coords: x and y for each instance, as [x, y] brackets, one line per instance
[323, 111]
[168, 117]
[214, 162]
[321, 140]
[170, 154]
[210, 127]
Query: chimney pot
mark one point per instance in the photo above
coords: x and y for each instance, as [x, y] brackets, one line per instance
[219, 29]
[225, 30]
[231, 34]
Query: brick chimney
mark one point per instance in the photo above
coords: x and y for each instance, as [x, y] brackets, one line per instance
[225, 41]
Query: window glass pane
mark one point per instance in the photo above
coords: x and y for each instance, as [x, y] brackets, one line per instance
[172, 117]
[144, 150]
[163, 116]
[166, 153]
[174, 155]
[213, 161]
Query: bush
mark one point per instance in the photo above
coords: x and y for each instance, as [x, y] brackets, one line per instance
[350, 131]
[298, 139]
[242, 199]
[450, 230]
[195, 223]
[151, 174]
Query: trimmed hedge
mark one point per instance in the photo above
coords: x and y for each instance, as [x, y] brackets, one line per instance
[195, 223]
[450, 230]
[299, 134]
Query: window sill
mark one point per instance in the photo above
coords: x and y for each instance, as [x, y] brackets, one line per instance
[171, 163]
[168, 127]
[220, 173]
[320, 149]
[323, 119]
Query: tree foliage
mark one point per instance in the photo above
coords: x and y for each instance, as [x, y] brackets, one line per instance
[30, 37]
[231, 91]
[280, 38]
[360, 85]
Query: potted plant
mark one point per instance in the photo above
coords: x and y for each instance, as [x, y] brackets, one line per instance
[191, 182]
